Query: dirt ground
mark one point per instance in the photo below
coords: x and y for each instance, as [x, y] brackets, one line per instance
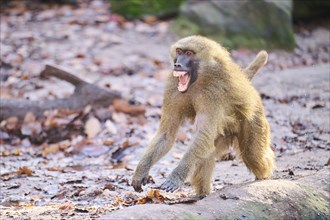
[89, 177]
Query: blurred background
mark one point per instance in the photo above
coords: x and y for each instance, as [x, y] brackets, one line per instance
[85, 155]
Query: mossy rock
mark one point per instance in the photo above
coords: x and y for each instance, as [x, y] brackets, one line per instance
[251, 24]
[304, 198]
[134, 9]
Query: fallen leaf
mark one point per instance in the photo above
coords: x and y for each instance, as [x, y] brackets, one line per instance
[150, 19]
[111, 127]
[108, 142]
[31, 128]
[5, 153]
[66, 206]
[51, 149]
[109, 187]
[24, 170]
[16, 152]
[120, 20]
[77, 193]
[29, 117]
[155, 196]
[5, 93]
[92, 127]
[142, 201]
[125, 107]
[12, 123]
[129, 142]
[64, 144]
[54, 169]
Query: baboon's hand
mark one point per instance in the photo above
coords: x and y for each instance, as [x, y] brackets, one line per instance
[170, 185]
[139, 180]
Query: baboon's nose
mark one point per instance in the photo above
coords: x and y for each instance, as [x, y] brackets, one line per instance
[177, 65]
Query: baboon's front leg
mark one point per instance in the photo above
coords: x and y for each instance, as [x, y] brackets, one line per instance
[201, 148]
[158, 147]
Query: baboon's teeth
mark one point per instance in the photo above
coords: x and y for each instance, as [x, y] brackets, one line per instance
[178, 73]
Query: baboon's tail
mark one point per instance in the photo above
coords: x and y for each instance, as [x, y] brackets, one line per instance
[259, 61]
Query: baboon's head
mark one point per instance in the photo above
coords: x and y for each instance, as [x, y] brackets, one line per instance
[189, 56]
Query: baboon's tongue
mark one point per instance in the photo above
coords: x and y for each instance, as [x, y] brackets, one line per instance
[183, 82]
[183, 79]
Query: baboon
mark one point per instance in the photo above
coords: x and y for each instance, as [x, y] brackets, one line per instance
[210, 88]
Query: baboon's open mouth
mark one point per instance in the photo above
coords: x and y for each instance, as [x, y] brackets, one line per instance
[184, 78]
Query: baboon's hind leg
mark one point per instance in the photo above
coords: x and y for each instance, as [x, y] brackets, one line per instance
[255, 149]
[201, 179]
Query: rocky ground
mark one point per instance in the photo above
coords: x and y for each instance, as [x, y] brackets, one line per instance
[87, 174]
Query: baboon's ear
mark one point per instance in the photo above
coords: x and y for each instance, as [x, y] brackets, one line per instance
[259, 61]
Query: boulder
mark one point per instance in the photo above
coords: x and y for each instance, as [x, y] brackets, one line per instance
[306, 198]
[245, 23]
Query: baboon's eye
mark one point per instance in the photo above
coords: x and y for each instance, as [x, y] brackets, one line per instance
[189, 53]
[179, 51]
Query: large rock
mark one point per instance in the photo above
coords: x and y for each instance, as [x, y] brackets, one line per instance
[306, 198]
[247, 23]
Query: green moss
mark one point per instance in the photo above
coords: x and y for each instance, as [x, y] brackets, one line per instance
[313, 201]
[266, 27]
[133, 9]
[183, 27]
[192, 217]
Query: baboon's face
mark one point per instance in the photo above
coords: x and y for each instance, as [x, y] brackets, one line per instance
[185, 68]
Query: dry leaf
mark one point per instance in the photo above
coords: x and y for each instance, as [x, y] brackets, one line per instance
[120, 20]
[111, 127]
[5, 93]
[31, 128]
[129, 142]
[92, 127]
[66, 206]
[108, 142]
[150, 19]
[29, 117]
[54, 169]
[109, 187]
[142, 201]
[129, 199]
[16, 152]
[125, 107]
[64, 144]
[5, 153]
[24, 170]
[12, 123]
[51, 149]
[153, 196]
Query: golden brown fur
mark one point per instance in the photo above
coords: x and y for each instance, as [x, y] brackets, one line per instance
[226, 109]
